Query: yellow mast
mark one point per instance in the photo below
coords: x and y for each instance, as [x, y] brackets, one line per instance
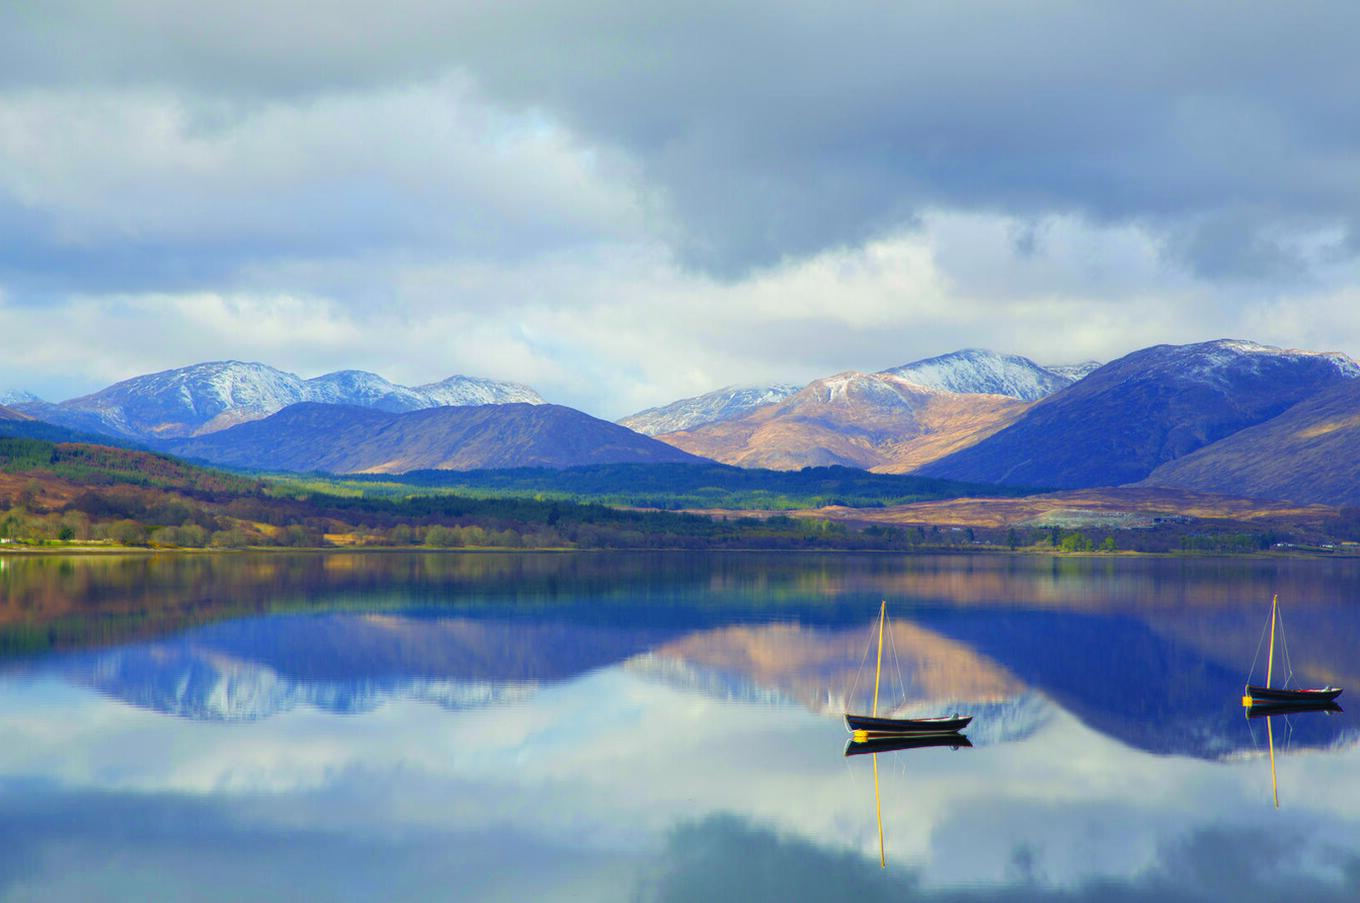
[878, 668]
[1274, 788]
[878, 805]
[1270, 659]
[878, 671]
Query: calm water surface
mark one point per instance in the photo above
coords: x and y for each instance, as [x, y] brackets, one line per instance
[665, 727]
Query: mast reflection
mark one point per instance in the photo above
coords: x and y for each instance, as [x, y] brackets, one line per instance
[1271, 711]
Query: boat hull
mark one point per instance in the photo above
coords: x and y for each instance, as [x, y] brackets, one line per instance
[895, 742]
[871, 725]
[1271, 709]
[1259, 695]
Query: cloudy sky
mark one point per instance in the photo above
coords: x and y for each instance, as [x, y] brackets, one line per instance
[623, 203]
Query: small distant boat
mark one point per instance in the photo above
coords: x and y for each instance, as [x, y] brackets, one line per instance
[898, 742]
[871, 725]
[1254, 696]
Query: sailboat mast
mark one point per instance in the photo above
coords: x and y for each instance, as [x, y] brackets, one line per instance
[1270, 659]
[1274, 787]
[878, 806]
[878, 672]
[878, 668]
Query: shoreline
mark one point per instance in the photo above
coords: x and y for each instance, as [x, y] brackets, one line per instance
[101, 551]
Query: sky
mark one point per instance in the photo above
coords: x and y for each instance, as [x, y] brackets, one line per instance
[625, 203]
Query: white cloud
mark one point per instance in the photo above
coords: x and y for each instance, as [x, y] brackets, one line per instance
[621, 326]
[525, 192]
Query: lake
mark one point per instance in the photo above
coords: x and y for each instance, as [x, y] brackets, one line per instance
[651, 726]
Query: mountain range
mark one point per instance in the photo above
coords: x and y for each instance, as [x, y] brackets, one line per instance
[971, 371]
[1227, 416]
[209, 397]
[348, 439]
[1126, 419]
[892, 421]
[875, 421]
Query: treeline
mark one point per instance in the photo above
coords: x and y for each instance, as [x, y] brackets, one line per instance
[666, 486]
[102, 465]
[82, 493]
[71, 492]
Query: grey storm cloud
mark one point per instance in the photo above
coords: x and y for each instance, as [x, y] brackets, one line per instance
[768, 131]
[626, 203]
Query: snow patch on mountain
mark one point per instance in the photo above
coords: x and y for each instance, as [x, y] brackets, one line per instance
[976, 371]
[727, 403]
[463, 390]
[1074, 372]
[884, 389]
[212, 396]
[10, 397]
[1212, 360]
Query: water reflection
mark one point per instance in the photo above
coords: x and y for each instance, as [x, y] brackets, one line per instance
[1006, 669]
[1290, 714]
[729, 857]
[632, 727]
[900, 742]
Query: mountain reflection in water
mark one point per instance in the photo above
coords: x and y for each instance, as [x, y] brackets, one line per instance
[647, 724]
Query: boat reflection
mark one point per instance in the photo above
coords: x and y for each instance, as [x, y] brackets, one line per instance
[1269, 710]
[872, 745]
[1286, 710]
[896, 743]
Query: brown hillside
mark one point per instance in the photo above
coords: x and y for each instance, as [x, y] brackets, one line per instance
[1077, 508]
[1310, 453]
[875, 421]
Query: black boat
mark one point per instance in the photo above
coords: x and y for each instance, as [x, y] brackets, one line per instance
[896, 742]
[1254, 696]
[865, 725]
[947, 724]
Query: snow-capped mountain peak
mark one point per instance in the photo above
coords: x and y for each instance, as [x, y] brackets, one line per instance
[976, 371]
[1207, 358]
[727, 403]
[465, 390]
[207, 397]
[18, 396]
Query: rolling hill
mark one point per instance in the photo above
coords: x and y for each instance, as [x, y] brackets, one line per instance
[877, 421]
[1310, 453]
[346, 439]
[1126, 419]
